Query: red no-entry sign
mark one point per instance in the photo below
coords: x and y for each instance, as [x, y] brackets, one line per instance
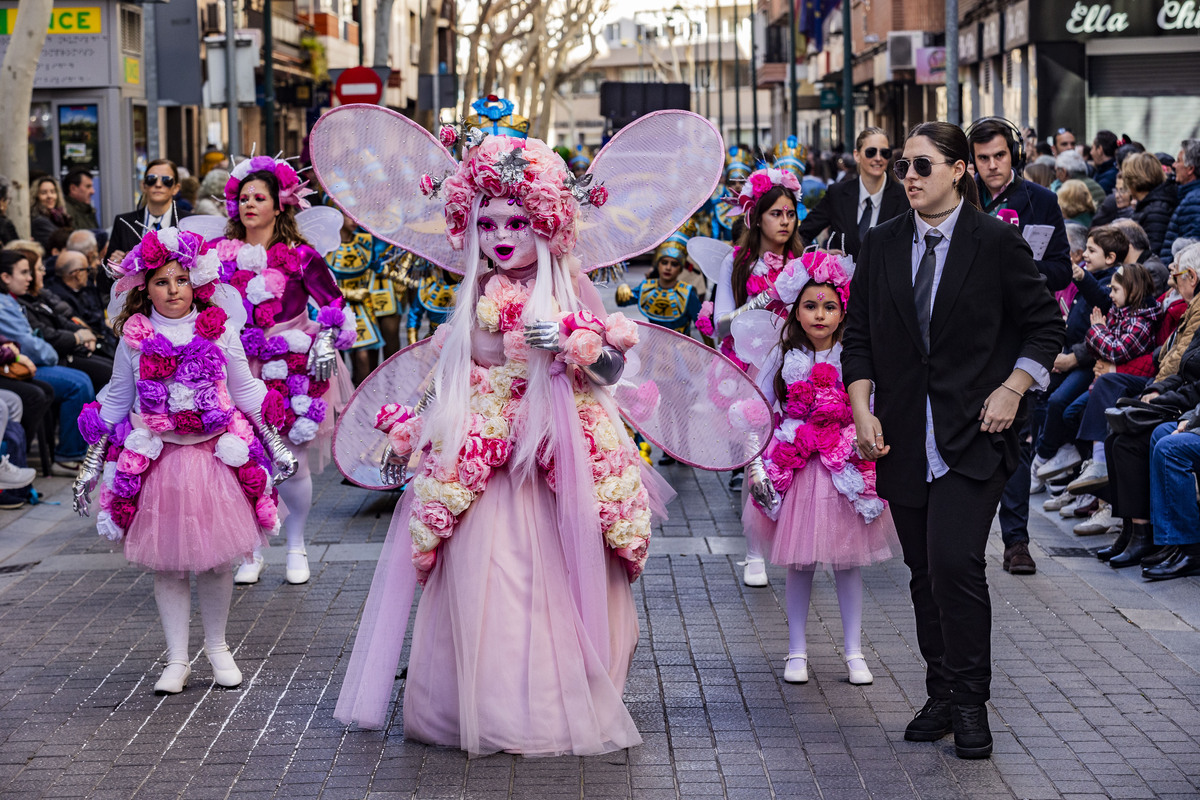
[358, 85]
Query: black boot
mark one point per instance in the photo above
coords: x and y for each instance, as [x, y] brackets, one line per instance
[1105, 553]
[1160, 555]
[1141, 542]
[972, 737]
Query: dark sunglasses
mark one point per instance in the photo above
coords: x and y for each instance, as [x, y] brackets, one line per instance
[151, 180]
[883, 152]
[922, 164]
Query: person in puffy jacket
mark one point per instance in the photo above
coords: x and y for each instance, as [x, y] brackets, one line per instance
[1153, 195]
[1185, 221]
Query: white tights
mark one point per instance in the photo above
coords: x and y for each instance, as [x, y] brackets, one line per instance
[173, 594]
[296, 494]
[848, 583]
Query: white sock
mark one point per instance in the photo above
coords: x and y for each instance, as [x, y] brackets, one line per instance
[1098, 452]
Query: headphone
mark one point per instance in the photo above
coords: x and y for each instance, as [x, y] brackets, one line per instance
[1016, 139]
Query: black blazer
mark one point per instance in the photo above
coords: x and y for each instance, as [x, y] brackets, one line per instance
[838, 211]
[991, 308]
[127, 229]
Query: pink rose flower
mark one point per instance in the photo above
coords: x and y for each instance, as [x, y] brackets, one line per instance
[824, 375]
[495, 452]
[158, 423]
[515, 346]
[210, 323]
[760, 183]
[598, 196]
[806, 440]
[442, 472]
[404, 436]
[273, 408]
[253, 479]
[583, 347]
[437, 517]
[582, 320]
[473, 473]
[391, 414]
[275, 281]
[137, 330]
[704, 322]
[781, 477]
[266, 512]
[439, 337]
[133, 463]
[239, 426]
[447, 135]
[227, 249]
[153, 252]
[622, 332]
[424, 563]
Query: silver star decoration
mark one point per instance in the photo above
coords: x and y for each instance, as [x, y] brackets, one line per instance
[512, 167]
[579, 187]
[474, 137]
[437, 184]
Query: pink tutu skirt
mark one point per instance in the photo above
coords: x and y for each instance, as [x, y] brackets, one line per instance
[818, 526]
[500, 659]
[192, 515]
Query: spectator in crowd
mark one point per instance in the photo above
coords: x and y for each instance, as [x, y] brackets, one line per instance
[212, 193]
[1185, 221]
[1040, 174]
[1154, 197]
[48, 213]
[160, 186]
[51, 319]
[1140, 253]
[1076, 202]
[15, 475]
[1064, 141]
[85, 242]
[80, 189]
[1104, 157]
[72, 388]
[1070, 166]
[8, 231]
[1118, 205]
[55, 246]
[36, 396]
[71, 283]
[189, 189]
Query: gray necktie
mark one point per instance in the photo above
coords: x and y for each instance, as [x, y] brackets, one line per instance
[923, 285]
[864, 222]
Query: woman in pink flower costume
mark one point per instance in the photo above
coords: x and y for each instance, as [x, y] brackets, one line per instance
[268, 259]
[183, 442]
[529, 511]
[814, 498]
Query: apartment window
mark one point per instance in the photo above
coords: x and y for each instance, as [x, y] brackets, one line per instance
[612, 31]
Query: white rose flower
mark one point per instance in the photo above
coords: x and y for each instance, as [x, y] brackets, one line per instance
[488, 314]
[144, 442]
[796, 366]
[107, 528]
[612, 490]
[275, 370]
[787, 430]
[300, 404]
[207, 269]
[252, 257]
[169, 238]
[178, 334]
[621, 534]
[303, 430]
[426, 488]
[241, 170]
[232, 451]
[423, 538]
[641, 523]
[297, 341]
[181, 398]
[605, 435]
[495, 428]
[256, 290]
[455, 497]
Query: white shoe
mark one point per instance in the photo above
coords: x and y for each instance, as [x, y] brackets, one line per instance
[755, 572]
[1036, 484]
[1098, 522]
[14, 477]
[859, 677]
[796, 669]
[225, 671]
[1081, 500]
[1067, 458]
[174, 678]
[297, 566]
[1057, 501]
[1093, 476]
[249, 570]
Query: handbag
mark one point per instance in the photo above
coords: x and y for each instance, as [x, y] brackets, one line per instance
[16, 371]
[1134, 417]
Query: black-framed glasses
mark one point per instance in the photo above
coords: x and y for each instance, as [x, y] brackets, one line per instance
[151, 180]
[882, 152]
[922, 164]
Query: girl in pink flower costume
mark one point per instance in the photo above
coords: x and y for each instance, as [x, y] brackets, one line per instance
[747, 274]
[265, 256]
[814, 498]
[183, 442]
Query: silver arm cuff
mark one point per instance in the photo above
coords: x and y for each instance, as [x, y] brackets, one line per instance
[608, 367]
[427, 398]
[723, 323]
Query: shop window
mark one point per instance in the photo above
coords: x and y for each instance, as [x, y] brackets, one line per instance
[41, 139]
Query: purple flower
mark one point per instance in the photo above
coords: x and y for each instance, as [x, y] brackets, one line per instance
[123, 430]
[252, 341]
[274, 347]
[216, 420]
[195, 372]
[331, 317]
[257, 453]
[158, 345]
[297, 384]
[153, 395]
[126, 485]
[207, 398]
[262, 163]
[316, 411]
[91, 425]
[345, 339]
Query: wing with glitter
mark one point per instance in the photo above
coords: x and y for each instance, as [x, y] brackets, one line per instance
[691, 401]
[321, 227]
[370, 161]
[209, 226]
[357, 446]
[658, 171]
[754, 334]
[709, 254]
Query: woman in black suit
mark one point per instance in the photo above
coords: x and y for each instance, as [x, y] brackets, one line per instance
[852, 207]
[950, 324]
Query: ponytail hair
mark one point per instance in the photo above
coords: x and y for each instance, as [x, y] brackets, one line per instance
[951, 142]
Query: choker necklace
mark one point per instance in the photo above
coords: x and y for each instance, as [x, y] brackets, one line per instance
[938, 215]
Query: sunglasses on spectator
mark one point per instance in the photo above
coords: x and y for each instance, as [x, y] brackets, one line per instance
[167, 180]
[882, 152]
[922, 164]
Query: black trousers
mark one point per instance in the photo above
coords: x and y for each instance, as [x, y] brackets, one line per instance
[944, 542]
[1128, 457]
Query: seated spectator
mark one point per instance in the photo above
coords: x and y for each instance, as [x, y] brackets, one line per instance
[85, 242]
[1186, 219]
[72, 387]
[8, 231]
[1076, 202]
[1104, 157]
[48, 213]
[15, 475]
[51, 319]
[1140, 253]
[58, 243]
[36, 396]
[1069, 166]
[1154, 198]
[1040, 174]
[80, 188]
[71, 283]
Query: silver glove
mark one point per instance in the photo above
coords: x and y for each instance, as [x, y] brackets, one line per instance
[760, 300]
[322, 356]
[89, 474]
[762, 491]
[608, 367]
[427, 398]
[392, 471]
[543, 335]
[283, 460]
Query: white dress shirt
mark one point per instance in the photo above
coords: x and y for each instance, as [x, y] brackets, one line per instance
[876, 199]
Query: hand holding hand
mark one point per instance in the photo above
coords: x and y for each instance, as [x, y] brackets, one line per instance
[1065, 362]
[869, 437]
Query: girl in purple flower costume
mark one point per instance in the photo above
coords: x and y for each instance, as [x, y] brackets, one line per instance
[277, 270]
[183, 442]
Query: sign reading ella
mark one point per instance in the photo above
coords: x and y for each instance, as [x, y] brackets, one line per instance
[1053, 20]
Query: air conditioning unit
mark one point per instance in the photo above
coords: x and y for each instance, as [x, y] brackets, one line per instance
[902, 49]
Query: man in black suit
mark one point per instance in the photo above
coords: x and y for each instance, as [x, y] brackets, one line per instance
[160, 185]
[852, 207]
[949, 322]
[997, 156]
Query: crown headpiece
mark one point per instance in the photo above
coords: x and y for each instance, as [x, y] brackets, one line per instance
[676, 244]
[790, 155]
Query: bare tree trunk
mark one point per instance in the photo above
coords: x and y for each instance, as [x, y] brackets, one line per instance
[429, 55]
[16, 92]
[383, 33]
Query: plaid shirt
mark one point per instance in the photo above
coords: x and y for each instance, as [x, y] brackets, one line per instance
[1128, 333]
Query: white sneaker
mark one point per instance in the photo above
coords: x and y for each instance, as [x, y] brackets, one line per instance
[1093, 476]
[1036, 484]
[1081, 500]
[1067, 458]
[755, 572]
[14, 477]
[1098, 522]
[796, 669]
[1057, 501]
[249, 571]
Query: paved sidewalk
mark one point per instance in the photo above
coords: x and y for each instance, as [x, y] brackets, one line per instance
[1095, 687]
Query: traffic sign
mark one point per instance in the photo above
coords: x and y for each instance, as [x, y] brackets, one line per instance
[358, 85]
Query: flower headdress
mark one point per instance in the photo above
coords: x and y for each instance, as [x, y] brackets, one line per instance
[292, 191]
[762, 181]
[816, 267]
[158, 248]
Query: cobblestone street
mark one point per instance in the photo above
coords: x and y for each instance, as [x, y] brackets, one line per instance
[1095, 690]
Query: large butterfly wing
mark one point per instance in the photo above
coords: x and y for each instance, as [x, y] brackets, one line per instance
[692, 402]
[357, 445]
[370, 161]
[709, 254]
[658, 171]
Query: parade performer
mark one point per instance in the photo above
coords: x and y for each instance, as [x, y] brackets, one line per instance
[829, 514]
[792, 156]
[271, 262]
[433, 297]
[185, 440]
[529, 513]
[666, 300]
[726, 209]
[364, 268]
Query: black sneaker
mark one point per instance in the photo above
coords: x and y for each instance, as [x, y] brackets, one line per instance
[972, 737]
[931, 723]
